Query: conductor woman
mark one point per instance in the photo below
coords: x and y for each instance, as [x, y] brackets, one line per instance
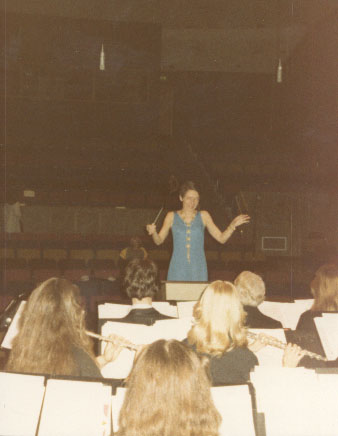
[188, 261]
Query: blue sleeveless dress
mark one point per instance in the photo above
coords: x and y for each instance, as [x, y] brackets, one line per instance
[188, 263]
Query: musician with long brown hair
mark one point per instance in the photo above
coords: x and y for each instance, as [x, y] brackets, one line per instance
[219, 332]
[188, 262]
[168, 393]
[52, 337]
[324, 288]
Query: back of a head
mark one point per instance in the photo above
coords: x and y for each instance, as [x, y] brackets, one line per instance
[168, 393]
[52, 321]
[251, 288]
[324, 288]
[141, 279]
[219, 320]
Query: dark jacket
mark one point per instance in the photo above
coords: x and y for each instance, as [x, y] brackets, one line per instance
[257, 320]
[142, 316]
[232, 367]
[307, 337]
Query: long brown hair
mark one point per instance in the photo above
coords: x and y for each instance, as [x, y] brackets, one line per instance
[168, 394]
[219, 320]
[52, 323]
[324, 288]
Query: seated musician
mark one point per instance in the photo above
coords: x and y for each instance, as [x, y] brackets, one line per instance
[141, 285]
[324, 288]
[219, 332]
[251, 288]
[168, 393]
[52, 335]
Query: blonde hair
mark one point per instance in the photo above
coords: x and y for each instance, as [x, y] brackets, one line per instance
[219, 320]
[250, 287]
[324, 288]
[52, 323]
[168, 394]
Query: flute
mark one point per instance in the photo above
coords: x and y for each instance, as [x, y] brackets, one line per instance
[270, 340]
[118, 340]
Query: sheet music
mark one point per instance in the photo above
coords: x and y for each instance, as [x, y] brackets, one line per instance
[21, 399]
[232, 402]
[111, 310]
[117, 401]
[13, 329]
[327, 399]
[121, 366]
[76, 408]
[185, 308]
[140, 334]
[288, 397]
[269, 355]
[165, 308]
[287, 313]
[327, 327]
[234, 405]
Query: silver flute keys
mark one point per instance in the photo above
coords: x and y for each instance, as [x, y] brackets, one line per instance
[274, 342]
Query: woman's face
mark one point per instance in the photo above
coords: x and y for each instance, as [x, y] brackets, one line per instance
[190, 200]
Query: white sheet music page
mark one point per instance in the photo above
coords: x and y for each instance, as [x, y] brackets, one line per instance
[111, 310]
[185, 308]
[21, 399]
[327, 327]
[288, 397]
[117, 401]
[328, 410]
[234, 405]
[172, 328]
[75, 408]
[13, 329]
[270, 355]
[165, 308]
[140, 334]
[287, 313]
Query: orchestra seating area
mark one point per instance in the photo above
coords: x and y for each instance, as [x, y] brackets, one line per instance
[30, 258]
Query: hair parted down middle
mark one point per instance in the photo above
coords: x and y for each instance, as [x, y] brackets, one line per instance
[324, 288]
[141, 279]
[219, 320]
[52, 323]
[168, 394]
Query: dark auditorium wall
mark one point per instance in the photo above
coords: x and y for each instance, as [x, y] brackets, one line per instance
[298, 218]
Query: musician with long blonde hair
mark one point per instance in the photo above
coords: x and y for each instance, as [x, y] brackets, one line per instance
[219, 332]
[168, 394]
[52, 337]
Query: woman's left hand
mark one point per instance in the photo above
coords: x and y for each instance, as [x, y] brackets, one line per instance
[239, 220]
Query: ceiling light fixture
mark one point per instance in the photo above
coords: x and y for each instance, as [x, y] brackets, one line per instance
[102, 60]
